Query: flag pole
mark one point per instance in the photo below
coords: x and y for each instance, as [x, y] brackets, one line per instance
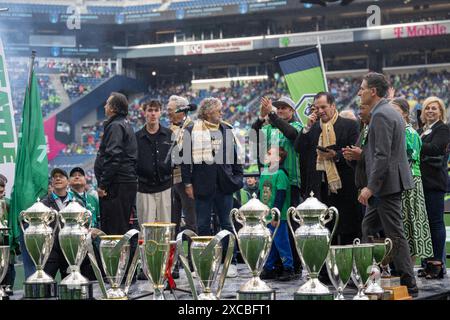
[33, 57]
[319, 47]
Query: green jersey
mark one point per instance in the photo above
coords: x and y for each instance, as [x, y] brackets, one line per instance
[413, 147]
[90, 202]
[269, 184]
[292, 162]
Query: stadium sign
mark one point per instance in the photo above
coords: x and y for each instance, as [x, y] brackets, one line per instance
[310, 38]
[217, 47]
[8, 138]
[421, 31]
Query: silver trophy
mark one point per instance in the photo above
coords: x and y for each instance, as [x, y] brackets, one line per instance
[339, 266]
[206, 254]
[363, 259]
[380, 252]
[39, 238]
[115, 254]
[74, 220]
[155, 252]
[4, 230]
[255, 241]
[312, 241]
[4, 263]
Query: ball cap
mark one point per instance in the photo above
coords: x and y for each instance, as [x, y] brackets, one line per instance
[59, 170]
[283, 101]
[77, 169]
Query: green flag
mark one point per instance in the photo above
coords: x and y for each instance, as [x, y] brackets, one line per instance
[31, 177]
[305, 77]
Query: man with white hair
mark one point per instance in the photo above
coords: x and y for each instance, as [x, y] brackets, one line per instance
[213, 173]
[180, 199]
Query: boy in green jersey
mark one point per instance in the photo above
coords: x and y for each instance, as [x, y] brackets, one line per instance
[274, 191]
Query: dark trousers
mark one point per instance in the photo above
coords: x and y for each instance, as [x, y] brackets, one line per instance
[222, 203]
[296, 199]
[116, 208]
[434, 201]
[387, 212]
[182, 203]
[56, 261]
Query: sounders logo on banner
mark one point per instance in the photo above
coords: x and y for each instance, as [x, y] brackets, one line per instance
[303, 107]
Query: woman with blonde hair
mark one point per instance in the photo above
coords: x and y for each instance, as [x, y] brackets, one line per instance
[415, 220]
[435, 135]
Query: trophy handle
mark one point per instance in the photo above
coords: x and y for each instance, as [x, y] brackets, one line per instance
[87, 219]
[235, 213]
[387, 242]
[292, 213]
[23, 218]
[324, 221]
[93, 260]
[125, 238]
[356, 241]
[133, 267]
[274, 211]
[210, 248]
[54, 216]
[184, 261]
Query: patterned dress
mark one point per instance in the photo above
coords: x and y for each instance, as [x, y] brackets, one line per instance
[415, 219]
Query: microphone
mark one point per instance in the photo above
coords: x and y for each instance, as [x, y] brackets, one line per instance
[189, 107]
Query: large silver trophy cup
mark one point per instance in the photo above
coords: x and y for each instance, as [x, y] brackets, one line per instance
[206, 255]
[312, 241]
[74, 221]
[39, 238]
[255, 241]
[115, 254]
[363, 259]
[155, 253]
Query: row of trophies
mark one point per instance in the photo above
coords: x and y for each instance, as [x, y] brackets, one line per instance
[159, 246]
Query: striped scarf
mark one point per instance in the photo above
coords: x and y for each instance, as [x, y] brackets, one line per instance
[328, 138]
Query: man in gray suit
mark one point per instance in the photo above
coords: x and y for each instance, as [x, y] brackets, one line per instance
[388, 174]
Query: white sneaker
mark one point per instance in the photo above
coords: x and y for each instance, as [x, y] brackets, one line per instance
[232, 271]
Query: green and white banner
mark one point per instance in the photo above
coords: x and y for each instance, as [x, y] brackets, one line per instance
[305, 76]
[8, 137]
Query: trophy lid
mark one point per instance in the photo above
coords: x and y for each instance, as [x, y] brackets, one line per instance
[38, 207]
[312, 203]
[73, 207]
[254, 205]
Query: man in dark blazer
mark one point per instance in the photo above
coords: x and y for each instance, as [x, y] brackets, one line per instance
[212, 172]
[388, 174]
[316, 177]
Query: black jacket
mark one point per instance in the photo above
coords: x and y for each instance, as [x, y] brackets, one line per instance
[117, 155]
[153, 174]
[345, 200]
[433, 157]
[207, 178]
[346, 131]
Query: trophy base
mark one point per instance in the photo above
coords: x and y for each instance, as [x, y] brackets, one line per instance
[398, 293]
[40, 290]
[388, 282]
[71, 292]
[256, 295]
[323, 296]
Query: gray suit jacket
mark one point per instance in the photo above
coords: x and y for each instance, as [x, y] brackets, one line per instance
[387, 165]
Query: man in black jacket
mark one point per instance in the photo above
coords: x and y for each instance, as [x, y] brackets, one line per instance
[115, 168]
[58, 200]
[212, 172]
[327, 173]
[153, 201]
